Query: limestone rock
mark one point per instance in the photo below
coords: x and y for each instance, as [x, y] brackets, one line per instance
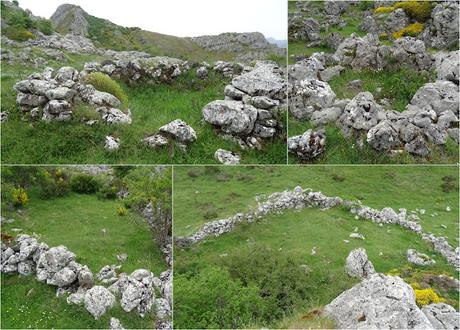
[307, 146]
[98, 300]
[358, 264]
[111, 143]
[379, 301]
[419, 258]
[180, 131]
[442, 316]
[232, 117]
[226, 157]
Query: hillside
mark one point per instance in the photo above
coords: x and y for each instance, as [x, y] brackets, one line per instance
[280, 268]
[105, 34]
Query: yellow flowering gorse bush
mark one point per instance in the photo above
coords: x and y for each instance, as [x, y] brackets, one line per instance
[412, 30]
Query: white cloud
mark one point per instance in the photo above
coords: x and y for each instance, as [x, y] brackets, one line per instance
[182, 17]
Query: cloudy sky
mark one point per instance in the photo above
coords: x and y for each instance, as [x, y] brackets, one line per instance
[182, 17]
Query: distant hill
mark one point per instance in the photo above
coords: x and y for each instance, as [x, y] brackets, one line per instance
[280, 43]
[73, 19]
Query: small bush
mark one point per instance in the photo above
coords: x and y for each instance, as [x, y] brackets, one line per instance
[427, 296]
[383, 36]
[412, 30]
[121, 211]
[365, 5]
[53, 183]
[18, 33]
[448, 184]
[84, 184]
[104, 83]
[210, 214]
[45, 26]
[281, 282]
[213, 299]
[418, 10]
[110, 189]
[19, 197]
[193, 173]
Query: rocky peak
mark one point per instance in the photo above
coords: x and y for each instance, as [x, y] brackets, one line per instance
[70, 18]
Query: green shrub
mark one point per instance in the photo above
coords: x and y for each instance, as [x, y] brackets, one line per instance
[104, 83]
[365, 5]
[45, 26]
[84, 184]
[18, 33]
[213, 299]
[280, 280]
[146, 185]
[53, 183]
[110, 189]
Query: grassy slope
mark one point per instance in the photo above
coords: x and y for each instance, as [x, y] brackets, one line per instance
[151, 105]
[76, 221]
[295, 233]
[398, 88]
[410, 187]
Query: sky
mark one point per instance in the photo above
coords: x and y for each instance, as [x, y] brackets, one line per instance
[182, 18]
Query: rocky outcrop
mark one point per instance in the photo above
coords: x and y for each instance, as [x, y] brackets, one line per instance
[379, 301]
[442, 316]
[75, 44]
[366, 52]
[70, 19]
[442, 29]
[252, 105]
[448, 66]
[51, 95]
[247, 46]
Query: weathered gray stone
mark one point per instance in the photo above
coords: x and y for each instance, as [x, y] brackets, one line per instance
[358, 264]
[442, 316]
[98, 300]
[307, 146]
[180, 131]
[418, 258]
[379, 301]
[226, 157]
[232, 117]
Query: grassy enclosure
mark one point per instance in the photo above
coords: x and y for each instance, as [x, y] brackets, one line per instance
[258, 257]
[89, 225]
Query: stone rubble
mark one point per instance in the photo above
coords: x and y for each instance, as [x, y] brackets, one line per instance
[307, 146]
[57, 266]
[51, 96]
[252, 106]
[418, 258]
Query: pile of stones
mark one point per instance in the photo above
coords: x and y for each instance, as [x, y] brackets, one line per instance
[176, 132]
[51, 95]
[253, 104]
[275, 203]
[381, 301]
[137, 66]
[429, 119]
[57, 266]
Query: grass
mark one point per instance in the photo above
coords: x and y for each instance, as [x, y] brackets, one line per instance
[76, 221]
[238, 187]
[296, 233]
[299, 48]
[151, 105]
[342, 150]
[397, 86]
